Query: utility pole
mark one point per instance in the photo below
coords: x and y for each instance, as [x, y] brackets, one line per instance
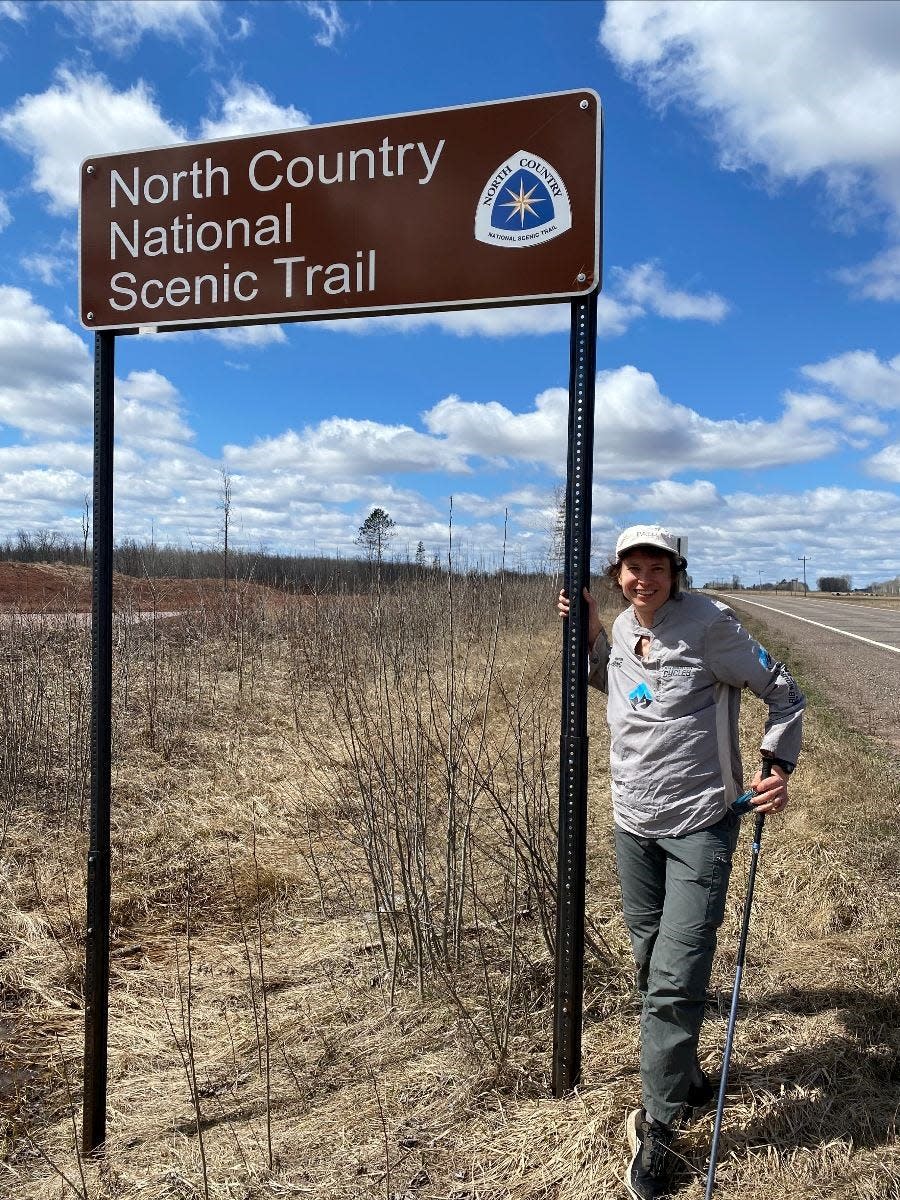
[802, 558]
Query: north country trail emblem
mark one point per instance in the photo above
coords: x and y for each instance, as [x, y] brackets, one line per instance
[524, 203]
[641, 696]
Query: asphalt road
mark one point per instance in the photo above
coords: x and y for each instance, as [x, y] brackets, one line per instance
[876, 625]
[852, 648]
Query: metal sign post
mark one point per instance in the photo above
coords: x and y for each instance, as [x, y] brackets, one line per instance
[572, 845]
[96, 981]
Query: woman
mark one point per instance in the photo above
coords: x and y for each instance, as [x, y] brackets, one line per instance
[673, 673]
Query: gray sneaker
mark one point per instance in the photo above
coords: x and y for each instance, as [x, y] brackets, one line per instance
[647, 1175]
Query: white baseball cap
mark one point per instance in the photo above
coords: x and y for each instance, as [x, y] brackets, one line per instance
[648, 535]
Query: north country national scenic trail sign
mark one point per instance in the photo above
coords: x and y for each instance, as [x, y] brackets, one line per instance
[485, 204]
[488, 204]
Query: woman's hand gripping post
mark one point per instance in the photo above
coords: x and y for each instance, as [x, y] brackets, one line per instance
[595, 625]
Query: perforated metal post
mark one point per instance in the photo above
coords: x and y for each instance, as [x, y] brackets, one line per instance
[96, 979]
[574, 741]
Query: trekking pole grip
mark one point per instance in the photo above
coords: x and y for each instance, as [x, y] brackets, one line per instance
[765, 769]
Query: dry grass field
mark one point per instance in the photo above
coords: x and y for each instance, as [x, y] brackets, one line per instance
[332, 920]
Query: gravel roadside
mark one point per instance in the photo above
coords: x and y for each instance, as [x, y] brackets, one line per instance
[862, 681]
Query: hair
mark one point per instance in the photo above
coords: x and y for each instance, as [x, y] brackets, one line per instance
[614, 566]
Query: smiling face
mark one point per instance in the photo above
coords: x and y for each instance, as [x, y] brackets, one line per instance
[646, 580]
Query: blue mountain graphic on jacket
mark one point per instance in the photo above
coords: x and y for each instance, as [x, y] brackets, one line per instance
[641, 696]
[765, 657]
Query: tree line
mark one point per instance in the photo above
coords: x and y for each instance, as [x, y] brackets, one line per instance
[303, 573]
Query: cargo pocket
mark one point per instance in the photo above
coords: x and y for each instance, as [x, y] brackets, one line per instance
[718, 889]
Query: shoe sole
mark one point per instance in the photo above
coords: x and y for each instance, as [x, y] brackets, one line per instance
[631, 1134]
[631, 1129]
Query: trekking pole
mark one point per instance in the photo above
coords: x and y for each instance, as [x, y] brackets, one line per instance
[732, 1017]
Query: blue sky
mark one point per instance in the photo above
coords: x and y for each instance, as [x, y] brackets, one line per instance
[748, 390]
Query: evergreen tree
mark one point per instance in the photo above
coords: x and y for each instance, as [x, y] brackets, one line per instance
[375, 533]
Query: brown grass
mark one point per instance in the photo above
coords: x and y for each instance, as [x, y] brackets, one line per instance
[379, 1083]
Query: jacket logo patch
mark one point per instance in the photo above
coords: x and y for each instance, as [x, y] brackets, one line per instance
[616, 662]
[794, 693]
[640, 697]
[681, 672]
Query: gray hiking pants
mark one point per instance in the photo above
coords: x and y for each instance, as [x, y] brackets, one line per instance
[673, 896]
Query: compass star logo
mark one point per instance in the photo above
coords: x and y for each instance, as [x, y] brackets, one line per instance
[524, 203]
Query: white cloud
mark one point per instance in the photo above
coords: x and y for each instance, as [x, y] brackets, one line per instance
[645, 285]
[248, 108]
[531, 320]
[77, 116]
[644, 434]
[494, 432]
[243, 29]
[44, 369]
[72, 456]
[802, 89]
[331, 24]
[54, 262]
[614, 316]
[49, 484]
[479, 506]
[886, 463]
[119, 26]
[868, 427]
[811, 406]
[343, 448]
[672, 497]
[46, 395]
[861, 376]
[5, 213]
[13, 11]
[237, 336]
[878, 279]
[248, 335]
[838, 529]
[148, 414]
[799, 88]
[45, 267]
[634, 292]
[761, 535]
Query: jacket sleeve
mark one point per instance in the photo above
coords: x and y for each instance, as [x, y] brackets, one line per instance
[737, 659]
[598, 662]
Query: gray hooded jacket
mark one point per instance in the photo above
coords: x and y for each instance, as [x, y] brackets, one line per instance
[673, 717]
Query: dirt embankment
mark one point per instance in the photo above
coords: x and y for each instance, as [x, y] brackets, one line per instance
[57, 588]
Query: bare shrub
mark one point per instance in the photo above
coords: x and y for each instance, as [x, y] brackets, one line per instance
[440, 757]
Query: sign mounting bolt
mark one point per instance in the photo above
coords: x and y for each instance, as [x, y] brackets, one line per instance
[90, 316]
[583, 104]
[90, 169]
[581, 278]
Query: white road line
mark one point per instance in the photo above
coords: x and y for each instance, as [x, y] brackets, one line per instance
[818, 624]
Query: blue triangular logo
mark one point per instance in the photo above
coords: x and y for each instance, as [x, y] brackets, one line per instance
[523, 202]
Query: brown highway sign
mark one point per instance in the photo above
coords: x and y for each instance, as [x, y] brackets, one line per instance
[486, 204]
